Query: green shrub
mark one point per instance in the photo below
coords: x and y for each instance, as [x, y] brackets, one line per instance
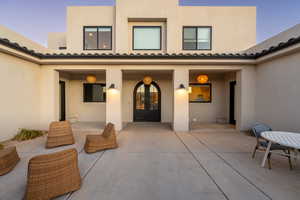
[26, 134]
[1, 146]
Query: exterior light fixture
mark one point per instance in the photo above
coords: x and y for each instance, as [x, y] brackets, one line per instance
[112, 86]
[202, 79]
[190, 90]
[91, 79]
[147, 80]
[112, 89]
[181, 87]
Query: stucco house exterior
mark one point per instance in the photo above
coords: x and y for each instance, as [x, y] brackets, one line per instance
[142, 60]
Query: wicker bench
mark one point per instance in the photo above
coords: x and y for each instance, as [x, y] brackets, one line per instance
[107, 140]
[8, 159]
[60, 133]
[52, 175]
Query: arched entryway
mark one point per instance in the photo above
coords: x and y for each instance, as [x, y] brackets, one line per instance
[147, 102]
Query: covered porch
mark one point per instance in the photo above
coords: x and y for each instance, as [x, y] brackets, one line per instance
[217, 103]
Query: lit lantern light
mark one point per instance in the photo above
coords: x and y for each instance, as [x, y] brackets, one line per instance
[190, 90]
[181, 89]
[202, 79]
[147, 80]
[91, 79]
[112, 88]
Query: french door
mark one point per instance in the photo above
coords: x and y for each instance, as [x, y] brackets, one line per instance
[147, 102]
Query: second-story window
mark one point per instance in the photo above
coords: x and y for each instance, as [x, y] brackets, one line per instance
[97, 38]
[146, 38]
[197, 38]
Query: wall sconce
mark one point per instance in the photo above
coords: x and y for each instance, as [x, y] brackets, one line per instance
[112, 88]
[181, 87]
[190, 90]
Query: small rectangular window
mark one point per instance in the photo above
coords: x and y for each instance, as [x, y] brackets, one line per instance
[200, 93]
[95, 92]
[98, 38]
[197, 38]
[146, 38]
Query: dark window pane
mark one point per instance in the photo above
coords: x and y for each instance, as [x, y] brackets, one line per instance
[90, 38]
[104, 38]
[190, 38]
[94, 93]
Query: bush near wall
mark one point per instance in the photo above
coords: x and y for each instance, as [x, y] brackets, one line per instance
[27, 134]
[1, 146]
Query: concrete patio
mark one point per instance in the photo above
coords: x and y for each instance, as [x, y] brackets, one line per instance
[155, 163]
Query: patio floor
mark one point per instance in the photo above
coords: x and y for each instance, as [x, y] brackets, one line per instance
[155, 163]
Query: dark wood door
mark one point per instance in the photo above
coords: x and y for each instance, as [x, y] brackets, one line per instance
[62, 87]
[147, 103]
[232, 103]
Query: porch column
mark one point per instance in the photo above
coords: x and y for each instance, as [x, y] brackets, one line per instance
[49, 95]
[246, 89]
[113, 97]
[181, 100]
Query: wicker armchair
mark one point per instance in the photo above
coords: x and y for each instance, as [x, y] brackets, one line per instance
[60, 133]
[107, 140]
[8, 159]
[52, 175]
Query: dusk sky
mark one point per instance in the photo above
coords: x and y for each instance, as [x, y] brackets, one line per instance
[35, 18]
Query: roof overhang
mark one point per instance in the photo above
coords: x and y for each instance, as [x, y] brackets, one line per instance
[282, 49]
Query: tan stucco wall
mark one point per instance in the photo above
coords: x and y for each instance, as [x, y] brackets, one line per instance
[20, 95]
[278, 93]
[246, 93]
[84, 111]
[209, 112]
[78, 17]
[49, 95]
[56, 40]
[234, 28]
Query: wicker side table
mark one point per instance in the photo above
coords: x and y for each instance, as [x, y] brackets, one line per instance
[8, 159]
